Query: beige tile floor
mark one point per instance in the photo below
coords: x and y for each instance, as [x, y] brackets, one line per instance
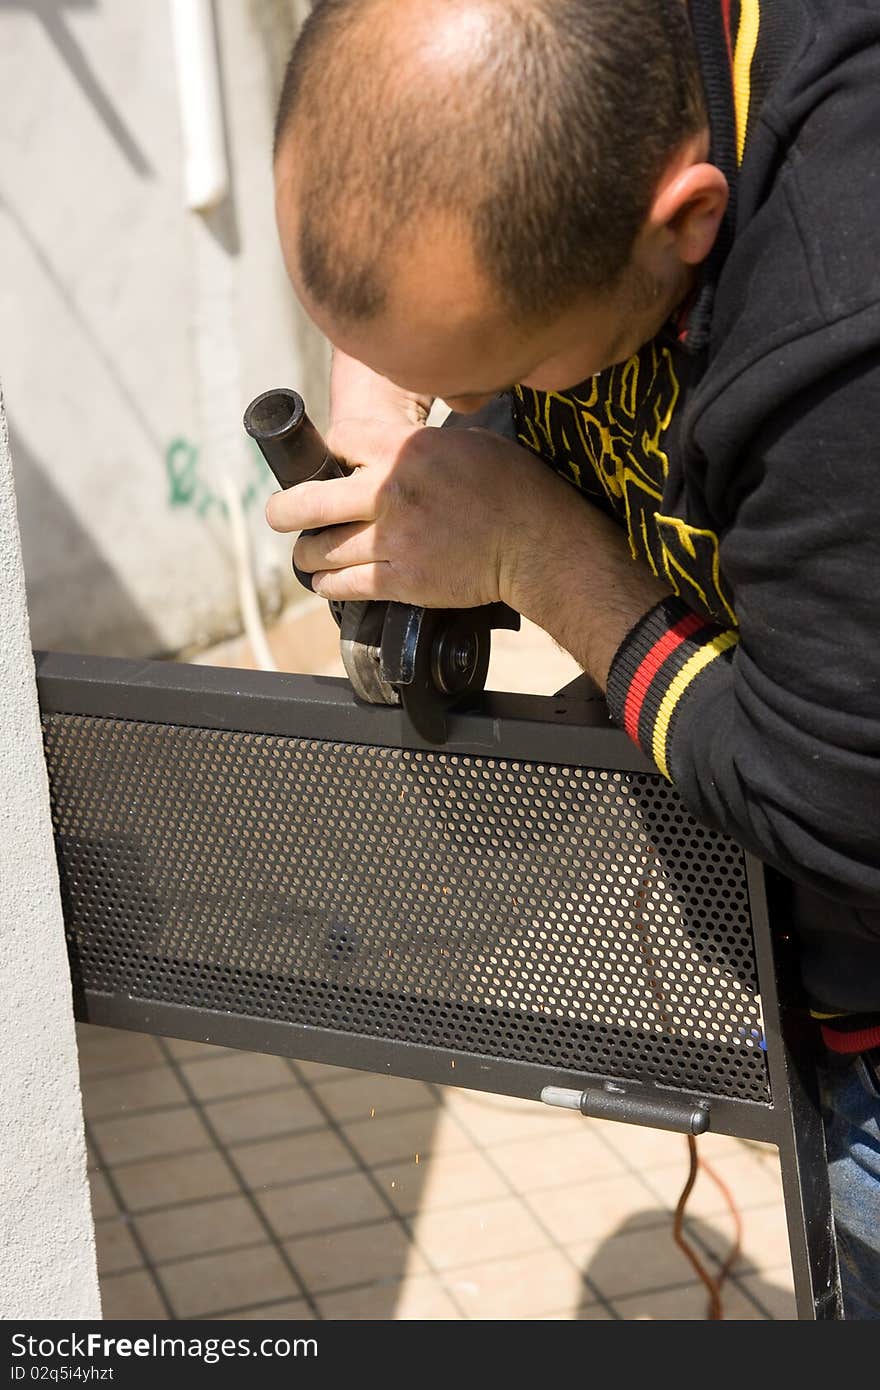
[236, 1185]
[229, 1184]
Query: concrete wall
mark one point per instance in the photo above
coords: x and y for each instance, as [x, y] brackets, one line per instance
[133, 332]
[47, 1256]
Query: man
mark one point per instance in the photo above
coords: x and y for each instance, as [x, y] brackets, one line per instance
[648, 233]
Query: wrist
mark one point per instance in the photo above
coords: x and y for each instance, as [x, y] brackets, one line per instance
[579, 582]
[542, 542]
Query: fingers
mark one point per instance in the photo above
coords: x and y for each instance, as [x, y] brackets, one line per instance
[339, 547]
[371, 448]
[374, 581]
[363, 518]
[310, 506]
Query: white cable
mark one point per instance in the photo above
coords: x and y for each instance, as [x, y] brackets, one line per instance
[248, 600]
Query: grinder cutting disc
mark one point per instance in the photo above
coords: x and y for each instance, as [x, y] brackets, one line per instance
[360, 636]
[438, 657]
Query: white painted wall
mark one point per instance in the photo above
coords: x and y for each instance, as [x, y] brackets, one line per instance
[133, 331]
[47, 1254]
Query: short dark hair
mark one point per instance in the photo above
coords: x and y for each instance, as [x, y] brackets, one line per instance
[550, 145]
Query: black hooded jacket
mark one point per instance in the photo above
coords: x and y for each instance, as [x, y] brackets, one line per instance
[741, 451]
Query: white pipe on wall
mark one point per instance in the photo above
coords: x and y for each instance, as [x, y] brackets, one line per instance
[206, 170]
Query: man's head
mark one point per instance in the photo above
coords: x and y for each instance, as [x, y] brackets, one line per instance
[476, 192]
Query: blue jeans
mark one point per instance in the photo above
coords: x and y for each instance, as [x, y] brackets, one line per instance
[850, 1093]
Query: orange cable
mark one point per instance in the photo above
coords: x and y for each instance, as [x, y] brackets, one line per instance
[712, 1282]
[736, 1244]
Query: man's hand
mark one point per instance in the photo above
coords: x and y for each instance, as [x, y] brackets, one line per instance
[460, 518]
[435, 518]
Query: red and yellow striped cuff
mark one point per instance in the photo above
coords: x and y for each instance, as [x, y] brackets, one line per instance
[656, 669]
[849, 1033]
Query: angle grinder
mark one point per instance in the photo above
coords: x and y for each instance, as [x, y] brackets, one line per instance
[427, 660]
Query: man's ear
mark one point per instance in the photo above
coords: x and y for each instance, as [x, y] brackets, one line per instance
[687, 209]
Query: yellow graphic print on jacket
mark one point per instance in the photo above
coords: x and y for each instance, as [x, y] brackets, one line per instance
[607, 438]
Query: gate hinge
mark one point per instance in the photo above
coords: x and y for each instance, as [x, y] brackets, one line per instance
[685, 1114]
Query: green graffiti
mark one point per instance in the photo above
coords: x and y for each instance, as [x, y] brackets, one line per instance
[182, 467]
[187, 488]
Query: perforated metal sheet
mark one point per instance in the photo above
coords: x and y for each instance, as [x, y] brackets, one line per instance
[572, 917]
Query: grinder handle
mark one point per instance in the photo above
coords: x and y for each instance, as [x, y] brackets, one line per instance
[291, 445]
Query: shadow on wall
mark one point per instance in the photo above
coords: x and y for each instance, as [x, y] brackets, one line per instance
[76, 600]
[277, 23]
[50, 13]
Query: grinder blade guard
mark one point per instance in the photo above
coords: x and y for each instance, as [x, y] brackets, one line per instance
[428, 660]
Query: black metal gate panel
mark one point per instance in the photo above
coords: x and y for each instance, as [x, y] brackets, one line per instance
[262, 862]
[520, 909]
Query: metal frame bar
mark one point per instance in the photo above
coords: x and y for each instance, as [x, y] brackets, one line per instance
[538, 728]
[572, 728]
[800, 1137]
[742, 1119]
